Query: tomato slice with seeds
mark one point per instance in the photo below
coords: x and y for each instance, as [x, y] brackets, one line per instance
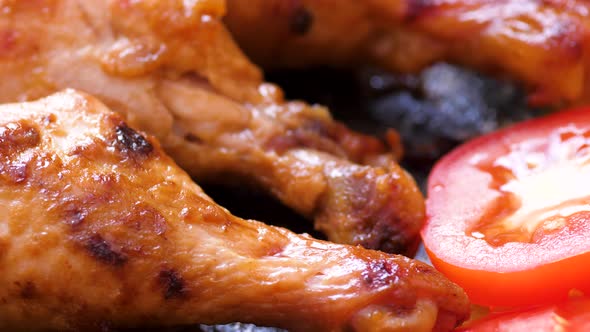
[509, 212]
[569, 316]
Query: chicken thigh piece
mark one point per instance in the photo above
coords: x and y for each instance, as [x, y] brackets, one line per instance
[174, 71]
[546, 44]
[100, 229]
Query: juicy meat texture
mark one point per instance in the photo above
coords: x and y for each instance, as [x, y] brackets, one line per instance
[172, 69]
[546, 44]
[100, 230]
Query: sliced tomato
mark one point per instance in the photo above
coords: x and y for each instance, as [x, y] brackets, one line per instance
[509, 213]
[569, 316]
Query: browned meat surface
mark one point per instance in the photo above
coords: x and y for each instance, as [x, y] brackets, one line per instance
[101, 230]
[173, 70]
[543, 43]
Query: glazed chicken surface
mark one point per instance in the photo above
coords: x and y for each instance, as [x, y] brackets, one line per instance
[546, 44]
[101, 230]
[172, 69]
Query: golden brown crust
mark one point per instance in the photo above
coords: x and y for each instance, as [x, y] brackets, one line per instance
[543, 43]
[173, 70]
[102, 229]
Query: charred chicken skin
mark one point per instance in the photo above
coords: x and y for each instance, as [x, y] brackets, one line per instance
[546, 44]
[101, 230]
[172, 69]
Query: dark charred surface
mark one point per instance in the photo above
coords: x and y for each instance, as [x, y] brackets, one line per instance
[172, 284]
[131, 142]
[102, 250]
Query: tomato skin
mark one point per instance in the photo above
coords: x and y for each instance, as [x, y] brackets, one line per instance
[568, 316]
[515, 273]
[545, 284]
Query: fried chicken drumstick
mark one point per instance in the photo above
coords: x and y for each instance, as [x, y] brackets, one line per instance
[101, 229]
[173, 70]
[546, 44]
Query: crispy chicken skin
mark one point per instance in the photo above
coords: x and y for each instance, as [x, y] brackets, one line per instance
[101, 230]
[543, 43]
[173, 70]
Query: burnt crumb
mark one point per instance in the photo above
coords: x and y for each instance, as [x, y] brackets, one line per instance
[28, 290]
[100, 249]
[130, 141]
[172, 283]
[380, 273]
[301, 21]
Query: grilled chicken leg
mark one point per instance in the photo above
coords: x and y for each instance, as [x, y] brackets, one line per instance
[546, 44]
[100, 229]
[173, 70]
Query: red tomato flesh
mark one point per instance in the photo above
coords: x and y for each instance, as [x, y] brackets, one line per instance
[509, 213]
[570, 316]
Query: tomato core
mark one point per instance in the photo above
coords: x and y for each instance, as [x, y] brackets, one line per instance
[540, 183]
